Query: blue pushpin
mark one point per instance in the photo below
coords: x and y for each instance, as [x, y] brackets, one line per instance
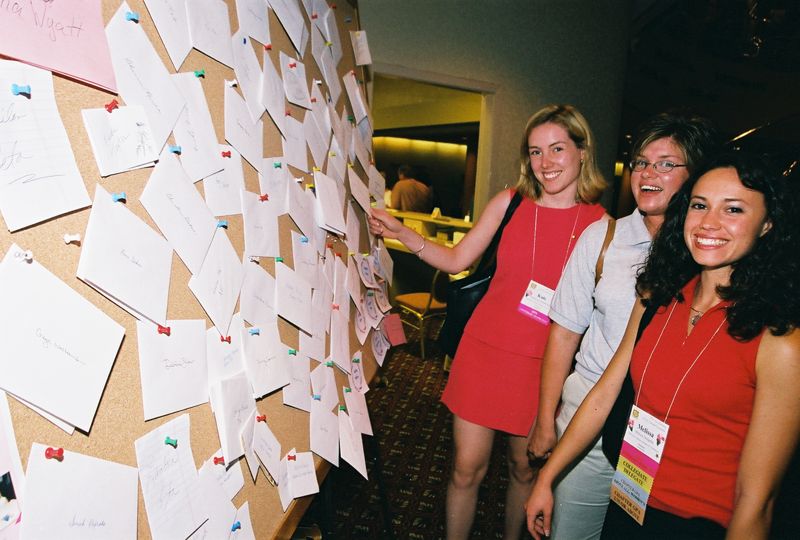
[18, 89]
[244, 41]
[236, 526]
[119, 197]
[304, 239]
[222, 224]
[132, 16]
[175, 149]
[317, 397]
[255, 331]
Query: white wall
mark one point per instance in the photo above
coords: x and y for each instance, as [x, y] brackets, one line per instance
[531, 52]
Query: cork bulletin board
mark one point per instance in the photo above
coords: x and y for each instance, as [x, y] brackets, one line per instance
[119, 419]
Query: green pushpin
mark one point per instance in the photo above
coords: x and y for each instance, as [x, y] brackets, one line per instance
[342, 408]
[329, 363]
[276, 165]
[370, 293]
[356, 360]
[347, 390]
[200, 73]
[278, 259]
[172, 442]
[351, 118]
[292, 352]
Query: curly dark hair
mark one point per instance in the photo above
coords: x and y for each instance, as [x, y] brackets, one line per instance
[764, 289]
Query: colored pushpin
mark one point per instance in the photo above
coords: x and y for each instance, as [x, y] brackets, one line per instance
[291, 458]
[18, 89]
[111, 105]
[278, 259]
[226, 153]
[347, 390]
[244, 41]
[333, 6]
[288, 112]
[314, 15]
[54, 453]
[236, 526]
[261, 418]
[226, 339]
[164, 330]
[335, 307]
[132, 16]
[119, 197]
[292, 352]
[329, 44]
[255, 331]
[316, 82]
[219, 461]
[317, 397]
[370, 293]
[200, 73]
[351, 118]
[264, 197]
[313, 100]
[304, 239]
[69, 238]
[171, 442]
[342, 408]
[329, 363]
[292, 64]
[277, 165]
[332, 154]
[175, 149]
[268, 46]
[232, 83]
[222, 224]
[348, 20]
[356, 360]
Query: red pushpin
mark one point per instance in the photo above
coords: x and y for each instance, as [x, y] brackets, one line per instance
[314, 15]
[333, 6]
[313, 100]
[268, 47]
[226, 339]
[54, 453]
[291, 458]
[288, 112]
[263, 197]
[261, 418]
[114, 104]
[292, 64]
[219, 461]
[163, 329]
[226, 153]
[335, 306]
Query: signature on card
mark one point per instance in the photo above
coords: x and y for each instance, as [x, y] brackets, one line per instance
[48, 342]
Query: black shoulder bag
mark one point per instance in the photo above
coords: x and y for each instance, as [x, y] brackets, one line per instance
[464, 294]
[614, 428]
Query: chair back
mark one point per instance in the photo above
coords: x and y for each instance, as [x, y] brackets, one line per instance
[439, 286]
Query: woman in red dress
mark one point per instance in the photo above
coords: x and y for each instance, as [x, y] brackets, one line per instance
[494, 380]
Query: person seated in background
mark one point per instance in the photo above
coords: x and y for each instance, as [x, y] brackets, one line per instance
[409, 194]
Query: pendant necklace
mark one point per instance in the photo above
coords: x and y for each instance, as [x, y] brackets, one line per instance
[696, 314]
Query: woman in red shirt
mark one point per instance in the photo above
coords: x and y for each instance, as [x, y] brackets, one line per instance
[719, 363]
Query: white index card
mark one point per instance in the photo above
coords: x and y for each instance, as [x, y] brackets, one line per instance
[304, 255]
[297, 393]
[194, 130]
[340, 340]
[323, 55]
[265, 360]
[291, 18]
[142, 78]
[352, 228]
[274, 182]
[58, 333]
[294, 144]
[172, 24]
[329, 203]
[246, 436]
[179, 211]
[295, 84]
[317, 141]
[219, 508]
[257, 300]
[223, 189]
[292, 297]
[123, 258]
[323, 384]
[233, 404]
[300, 205]
[356, 378]
[216, 286]
[78, 497]
[272, 94]
[324, 432]
[351, 445]
[253, 19]
[261, 238]
[361, 325]
[357, 410]
[224, 354]
[121, 140]
[172, 363]
[248, 72]
[301, 474]
[365, 271]
[355, 96]
[210, 29]
[244, 134]
[360, 47]
[358, 189]
[169, 480]
[39, 178]
[229, 475]
[380, 346]
[245, 530]
[267, 448]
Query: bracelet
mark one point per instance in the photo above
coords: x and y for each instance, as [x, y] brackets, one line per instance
[418, 252]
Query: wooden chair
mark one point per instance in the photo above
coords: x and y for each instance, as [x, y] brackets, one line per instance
[425, 305]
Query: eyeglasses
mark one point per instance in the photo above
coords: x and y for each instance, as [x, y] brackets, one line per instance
[664, 167]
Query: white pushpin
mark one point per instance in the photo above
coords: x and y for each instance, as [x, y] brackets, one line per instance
[232, 83]
[255, 259]
[299, 180]
[26, 256]
[70, 238]
[316, 82]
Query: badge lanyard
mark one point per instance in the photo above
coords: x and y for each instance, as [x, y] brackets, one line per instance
[644, 441]
[535, 302]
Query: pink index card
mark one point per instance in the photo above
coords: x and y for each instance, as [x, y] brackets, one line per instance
[65, 37]
[393, 327]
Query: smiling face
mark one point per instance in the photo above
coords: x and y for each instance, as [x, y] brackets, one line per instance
[724, 220]
[555, 162]
[652, 190]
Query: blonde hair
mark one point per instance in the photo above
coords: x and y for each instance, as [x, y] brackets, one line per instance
[590, 181]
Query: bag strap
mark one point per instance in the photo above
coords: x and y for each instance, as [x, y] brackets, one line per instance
[490, 255]
[598, 267]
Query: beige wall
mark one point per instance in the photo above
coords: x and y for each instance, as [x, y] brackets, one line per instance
[530, 52]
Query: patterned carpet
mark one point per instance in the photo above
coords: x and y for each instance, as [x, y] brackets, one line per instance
[414, 434]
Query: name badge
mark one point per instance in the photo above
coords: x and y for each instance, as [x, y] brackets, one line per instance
[639, 460]
[536, 301]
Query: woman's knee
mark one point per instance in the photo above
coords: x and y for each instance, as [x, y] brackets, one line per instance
[519, 470]
[467, 474]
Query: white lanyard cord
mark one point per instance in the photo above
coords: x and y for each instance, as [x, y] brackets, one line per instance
[569, 242]
[689, 369]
